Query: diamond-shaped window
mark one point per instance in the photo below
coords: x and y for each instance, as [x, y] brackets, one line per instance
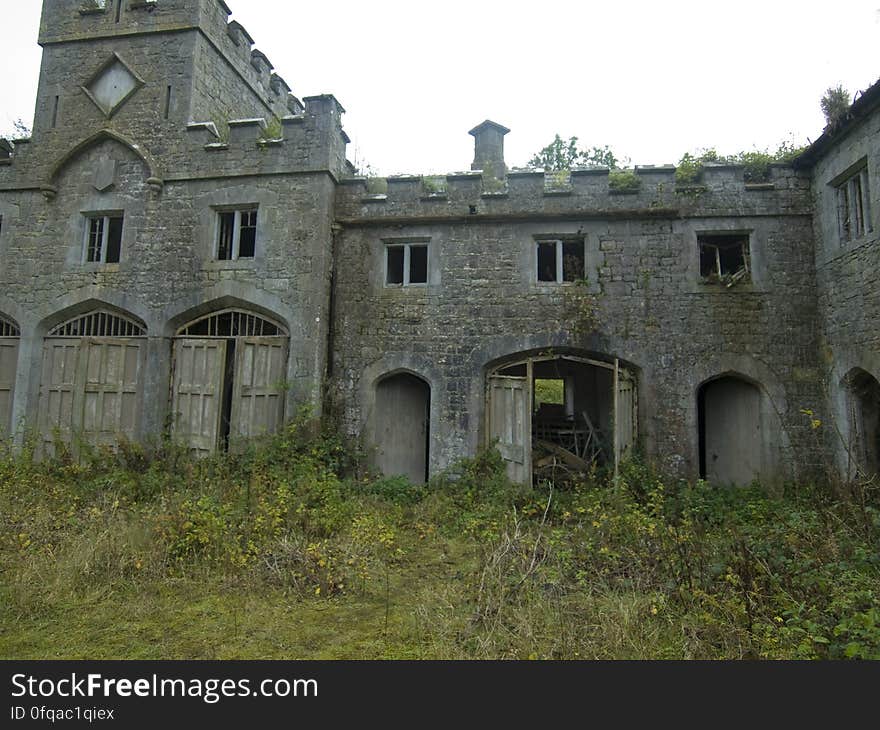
[112, 85]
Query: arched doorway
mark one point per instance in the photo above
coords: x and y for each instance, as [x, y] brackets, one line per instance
[864, 410]
[230, 372]
[568, 409]
[731, 432]
[91, 379]
[9, 336]
[401, 428]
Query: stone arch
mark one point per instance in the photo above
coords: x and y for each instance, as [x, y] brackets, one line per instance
[79, 303]
[418, 366]
[401, 427]
[593, 419]
[154, 174]
[863, 422]
[229, 373]
[736, 429]
[231, 295]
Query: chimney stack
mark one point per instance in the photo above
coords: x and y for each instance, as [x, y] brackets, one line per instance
[489, 149]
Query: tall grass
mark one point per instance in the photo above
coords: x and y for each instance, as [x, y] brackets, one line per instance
[466, 566]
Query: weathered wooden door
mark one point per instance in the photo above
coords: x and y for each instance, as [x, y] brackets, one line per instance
[510, 424]
[58, 386]
[111, 381]
[625, 416]
[199, 374]
[90, 388]
[733, 437]
[8, 365]
[258, 398]
[401, 426]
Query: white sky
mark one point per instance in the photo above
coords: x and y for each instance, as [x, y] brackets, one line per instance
[651, 79]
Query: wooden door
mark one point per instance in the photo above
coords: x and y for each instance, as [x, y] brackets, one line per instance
[8, 366]
[258, 386]
[625, 416]
[510, 424]
[199, 373]
[58, 386]
[110, 391]
[402, 426]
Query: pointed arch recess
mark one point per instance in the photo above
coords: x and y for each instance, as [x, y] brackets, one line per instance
[155, 177]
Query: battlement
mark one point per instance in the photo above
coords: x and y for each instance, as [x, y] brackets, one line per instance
[588, 192]
[312, 139]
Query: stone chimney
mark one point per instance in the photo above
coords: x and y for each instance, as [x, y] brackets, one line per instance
[489, 149]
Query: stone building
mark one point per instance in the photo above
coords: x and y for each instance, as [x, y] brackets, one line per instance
[183, 244]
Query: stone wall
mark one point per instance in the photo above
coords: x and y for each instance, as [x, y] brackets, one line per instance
[169, 177]
[646, 303]
[847, 277]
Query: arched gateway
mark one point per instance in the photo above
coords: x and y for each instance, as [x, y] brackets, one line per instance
[573, 407]
[91, 380]
[229, 379]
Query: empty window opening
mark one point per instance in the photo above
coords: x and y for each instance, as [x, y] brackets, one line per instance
[118, 10]
[103, 244]
[864, 442]
[560, 261]
[55, 104]
[401, 427]
[167, 102]
[236, 234]
[724, 258]
[406, 264]
[854, 206]
[554, 417]
[730, 431]
[229, 379]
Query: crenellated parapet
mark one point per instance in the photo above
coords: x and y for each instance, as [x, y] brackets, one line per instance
[308, 141]
[582, 193]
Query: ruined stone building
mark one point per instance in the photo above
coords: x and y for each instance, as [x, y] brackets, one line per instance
[183, 244]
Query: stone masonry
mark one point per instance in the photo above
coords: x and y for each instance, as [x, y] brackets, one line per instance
[164, 113]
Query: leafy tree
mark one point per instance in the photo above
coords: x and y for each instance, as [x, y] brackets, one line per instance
[19, 130]
[835, 104]
[563, 154]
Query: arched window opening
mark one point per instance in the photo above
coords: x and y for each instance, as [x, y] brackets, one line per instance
[402, 426]
[232, 323]
[230, 371]
[8, 328]
[99, 323]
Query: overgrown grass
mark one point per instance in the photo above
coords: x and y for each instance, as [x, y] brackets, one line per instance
[291, 550]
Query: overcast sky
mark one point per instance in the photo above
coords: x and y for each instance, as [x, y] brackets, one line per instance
[650, 79]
